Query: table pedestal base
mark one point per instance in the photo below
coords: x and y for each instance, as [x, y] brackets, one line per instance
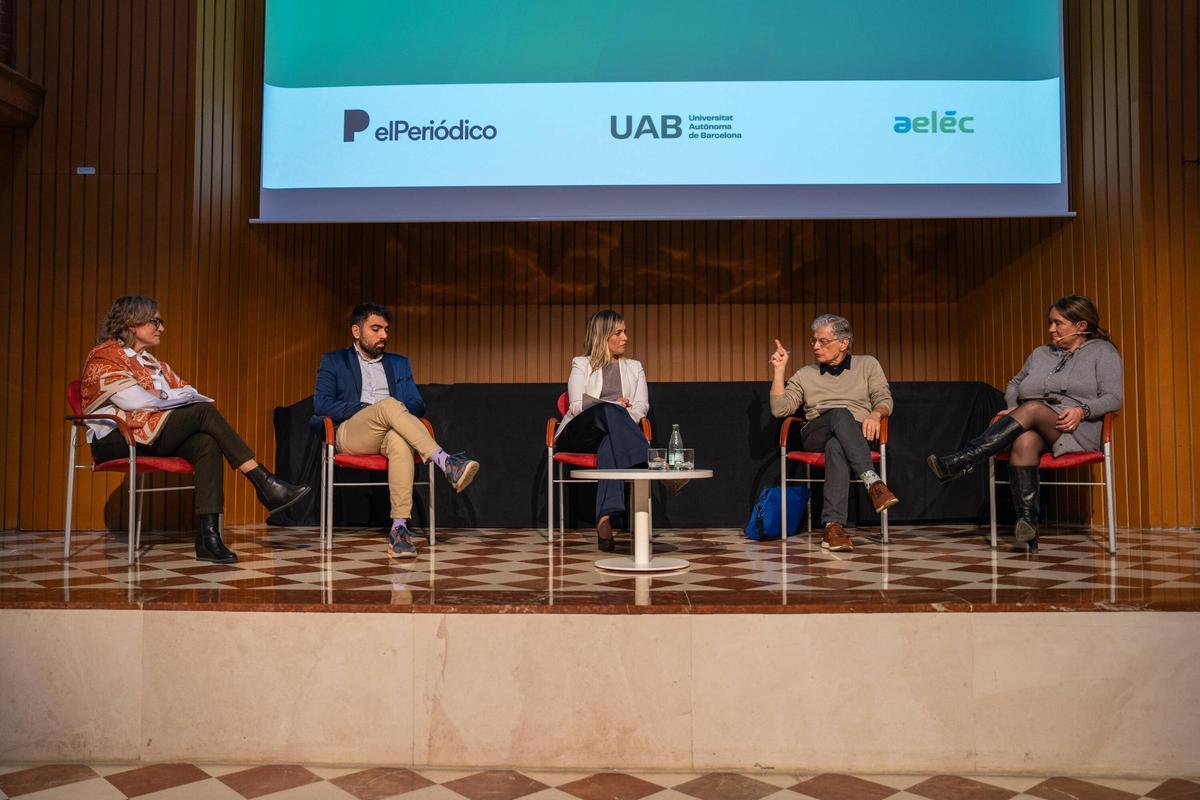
[643, 555]
[643, 552]
[654, 565]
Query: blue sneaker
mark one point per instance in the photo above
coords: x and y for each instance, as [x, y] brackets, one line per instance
[460, 471]
[400, 543]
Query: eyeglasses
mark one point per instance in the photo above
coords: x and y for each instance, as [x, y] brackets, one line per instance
[823, 342]
[156, 322]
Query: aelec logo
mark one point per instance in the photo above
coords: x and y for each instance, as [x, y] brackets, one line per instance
[949, 122]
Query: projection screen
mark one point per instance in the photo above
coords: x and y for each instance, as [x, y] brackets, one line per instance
[387, 110]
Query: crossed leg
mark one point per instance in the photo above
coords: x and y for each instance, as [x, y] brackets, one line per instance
[1039, 421]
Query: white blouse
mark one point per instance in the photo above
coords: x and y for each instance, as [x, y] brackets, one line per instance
[586, 381]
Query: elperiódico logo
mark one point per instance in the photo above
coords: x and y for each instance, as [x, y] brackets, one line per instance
[355, 121]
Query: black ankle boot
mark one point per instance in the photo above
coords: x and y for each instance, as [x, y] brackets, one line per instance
[274, 494]
[1025, 490]
[209, 546]
[999, 436]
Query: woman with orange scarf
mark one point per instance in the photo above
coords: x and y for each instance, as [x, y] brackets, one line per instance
[167, 417]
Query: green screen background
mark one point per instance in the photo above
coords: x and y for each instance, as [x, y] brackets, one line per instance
[382, 42]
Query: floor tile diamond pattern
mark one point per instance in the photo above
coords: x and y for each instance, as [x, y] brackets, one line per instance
[156, 777]
[843, 787]
[610, 786]
[381, 782]
[295, 782]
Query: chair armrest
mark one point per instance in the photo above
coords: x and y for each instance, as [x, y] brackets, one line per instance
[551, 424]
[883, 430]
[785, 429]
[122, 426]
[428, 426]
[646, 429]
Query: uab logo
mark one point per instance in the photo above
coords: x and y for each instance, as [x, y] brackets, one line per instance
[948, 122]
[670, 126]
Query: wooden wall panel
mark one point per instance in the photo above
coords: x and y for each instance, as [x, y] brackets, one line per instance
[1168, 252]
[164, 100]
[71, 238]
[1024, 264]
[1133, 93]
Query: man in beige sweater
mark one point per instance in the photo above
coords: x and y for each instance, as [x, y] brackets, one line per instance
[844, 399]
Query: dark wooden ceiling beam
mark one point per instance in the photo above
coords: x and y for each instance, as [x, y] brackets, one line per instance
[20, 99]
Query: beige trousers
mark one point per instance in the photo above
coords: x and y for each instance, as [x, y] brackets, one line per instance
[386, 428]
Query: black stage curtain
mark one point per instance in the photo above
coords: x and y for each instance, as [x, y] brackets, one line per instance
[729, 425]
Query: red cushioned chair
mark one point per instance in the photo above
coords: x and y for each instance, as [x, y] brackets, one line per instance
[581, 460]
[135, 467]
[1067, 461]
[377, 463]
[810, 460]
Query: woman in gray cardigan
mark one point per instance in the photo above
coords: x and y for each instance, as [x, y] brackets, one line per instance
[1056, 402]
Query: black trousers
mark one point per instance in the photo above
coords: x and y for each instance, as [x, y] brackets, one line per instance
[840, 437]
[197, 433]
[607, 430]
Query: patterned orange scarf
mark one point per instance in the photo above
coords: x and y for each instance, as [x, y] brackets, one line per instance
[109, 370]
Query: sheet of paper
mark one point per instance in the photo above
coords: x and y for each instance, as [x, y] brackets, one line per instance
[180, 397]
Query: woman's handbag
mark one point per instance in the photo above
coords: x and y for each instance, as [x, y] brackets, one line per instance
[764, 517]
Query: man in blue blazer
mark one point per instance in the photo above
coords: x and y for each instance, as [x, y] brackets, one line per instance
[372, 398]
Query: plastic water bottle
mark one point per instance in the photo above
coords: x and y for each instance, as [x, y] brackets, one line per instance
[675, 449]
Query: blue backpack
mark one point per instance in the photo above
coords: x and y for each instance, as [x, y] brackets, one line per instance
[764, 518]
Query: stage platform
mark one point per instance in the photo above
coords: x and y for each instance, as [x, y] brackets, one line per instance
[495, 648]
[940, 568]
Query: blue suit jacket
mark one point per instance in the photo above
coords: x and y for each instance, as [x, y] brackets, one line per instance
[339, 386]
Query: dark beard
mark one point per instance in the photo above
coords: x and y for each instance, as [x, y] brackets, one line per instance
[373, 352]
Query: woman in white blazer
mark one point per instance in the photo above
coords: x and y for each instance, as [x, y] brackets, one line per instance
[608, 401]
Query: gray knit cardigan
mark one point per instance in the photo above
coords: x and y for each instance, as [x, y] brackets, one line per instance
[1090, 375]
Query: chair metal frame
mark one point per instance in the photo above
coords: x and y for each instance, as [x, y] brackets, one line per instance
[329, 461]
[818, 460]
[1050, 462]
[137, 490]
[561, 481]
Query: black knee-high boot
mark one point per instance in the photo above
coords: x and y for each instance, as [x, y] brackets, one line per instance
[999, 436]
[1025, 491]
[209, 546]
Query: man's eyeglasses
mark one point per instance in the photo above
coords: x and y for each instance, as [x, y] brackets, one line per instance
[823, 342]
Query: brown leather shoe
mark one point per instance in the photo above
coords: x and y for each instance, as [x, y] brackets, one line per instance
[836, 539]
[604, 535]
[881, 496]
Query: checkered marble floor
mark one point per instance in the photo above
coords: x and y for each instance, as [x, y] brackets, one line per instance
[922, 568]
[295, 782]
